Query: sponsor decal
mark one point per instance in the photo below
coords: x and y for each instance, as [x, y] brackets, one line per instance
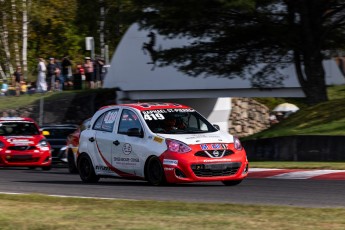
[126, 159]
[19, 141]
[217, 160]
[170, 162]
[127, 148]
[158, 139]
[168, 169]
[204, 146]
[102, 168]
[157, 114]
[203, 136]
[110, 117]
[213, 146]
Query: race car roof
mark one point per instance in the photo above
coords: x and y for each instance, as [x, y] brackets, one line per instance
[16, 119]
[151, 106]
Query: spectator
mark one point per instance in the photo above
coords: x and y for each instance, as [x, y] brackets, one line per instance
[89, 73]
[41, 79]
[4, 88]
[59, 80]
[17, 79]
[23, 87]
[32, 87]
[99, 72]
[51, 71]
[273, 119]
[66, 70]
[280, 116]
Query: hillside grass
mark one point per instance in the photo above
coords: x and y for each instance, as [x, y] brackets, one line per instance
[326, 118]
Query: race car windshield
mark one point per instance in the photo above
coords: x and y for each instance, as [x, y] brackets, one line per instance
[177, 121]
[18, 129]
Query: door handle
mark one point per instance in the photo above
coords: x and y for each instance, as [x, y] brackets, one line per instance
[116, 142]
[91, 139]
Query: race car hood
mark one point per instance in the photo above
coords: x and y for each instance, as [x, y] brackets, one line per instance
[191, 139]
[21, 140]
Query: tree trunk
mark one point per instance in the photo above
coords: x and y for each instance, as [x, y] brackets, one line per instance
[4, 38]
[101, 27]
[315, 88]
[15, 33]
[309, 67]
[25, 39]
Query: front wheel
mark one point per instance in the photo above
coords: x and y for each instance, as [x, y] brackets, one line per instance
[154, 171]
[86, 170]
[231, 182]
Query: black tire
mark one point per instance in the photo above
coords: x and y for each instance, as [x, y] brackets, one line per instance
[231, 182]
[72, 168]
[46, 168]
[86, 171]
[154, 172]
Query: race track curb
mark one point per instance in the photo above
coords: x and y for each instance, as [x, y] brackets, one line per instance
[313, 174]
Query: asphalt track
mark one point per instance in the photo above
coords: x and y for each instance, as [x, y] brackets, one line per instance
[311, 188]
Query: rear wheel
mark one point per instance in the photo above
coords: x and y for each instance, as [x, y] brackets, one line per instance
[231, 182]
[72, 168]
[154, 171]
[86, 170]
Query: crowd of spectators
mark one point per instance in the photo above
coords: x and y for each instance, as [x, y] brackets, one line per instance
[57, 75]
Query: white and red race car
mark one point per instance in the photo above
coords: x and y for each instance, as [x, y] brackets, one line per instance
[160, 143]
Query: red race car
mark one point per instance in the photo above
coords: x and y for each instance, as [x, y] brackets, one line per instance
[22, 144]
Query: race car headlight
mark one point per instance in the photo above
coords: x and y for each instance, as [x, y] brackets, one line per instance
[43, 143]
[237, 144]
[177, 146]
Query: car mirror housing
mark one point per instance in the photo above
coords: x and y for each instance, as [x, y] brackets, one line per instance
[216, 126]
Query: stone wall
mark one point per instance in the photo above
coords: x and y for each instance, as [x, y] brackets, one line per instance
[247, 117]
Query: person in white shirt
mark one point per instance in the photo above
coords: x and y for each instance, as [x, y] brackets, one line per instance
[41, 78]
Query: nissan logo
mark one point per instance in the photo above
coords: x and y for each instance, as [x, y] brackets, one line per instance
[216, 153]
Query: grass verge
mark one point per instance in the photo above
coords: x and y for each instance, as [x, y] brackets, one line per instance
[43, 212]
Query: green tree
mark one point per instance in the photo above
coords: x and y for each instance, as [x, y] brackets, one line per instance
[53, 30]
[231, 37]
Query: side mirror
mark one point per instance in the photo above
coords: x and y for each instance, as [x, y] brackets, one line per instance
[216, 126]
[134, 132]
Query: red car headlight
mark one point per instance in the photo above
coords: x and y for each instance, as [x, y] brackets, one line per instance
[237, 144]
[177, 146]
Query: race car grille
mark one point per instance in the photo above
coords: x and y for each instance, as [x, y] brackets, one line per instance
[218, 169]
[22, 158]
[21, 148]
[214, 153]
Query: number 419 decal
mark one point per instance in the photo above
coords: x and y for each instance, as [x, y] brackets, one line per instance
[152, 116]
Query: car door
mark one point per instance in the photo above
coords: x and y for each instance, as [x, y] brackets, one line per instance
[103, 140]
[130, 148]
